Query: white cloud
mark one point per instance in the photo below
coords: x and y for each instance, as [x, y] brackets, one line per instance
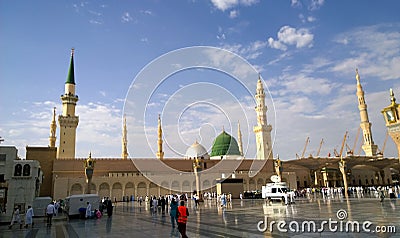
[315, 4]
[302, 83]
[147, 12]
[374, 49]
[252, 51]
[99, 128]
[276, 44]
[307, 19]
[311, 19]
[291, 36]
[233, 14]
[301, 104]
[95, 22]
[224, 4]
[95, 13]
[312, 4]
[295, 3]
[349, 64]
[126, 17]
[227, 4]
[221, 37]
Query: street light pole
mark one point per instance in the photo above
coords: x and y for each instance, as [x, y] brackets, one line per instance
[89, 168]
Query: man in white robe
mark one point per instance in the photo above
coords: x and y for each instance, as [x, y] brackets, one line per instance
[29, 217]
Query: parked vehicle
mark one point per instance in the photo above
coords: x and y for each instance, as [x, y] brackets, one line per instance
[39, 206]
[252, 194]
[277, 191]
[74, 203]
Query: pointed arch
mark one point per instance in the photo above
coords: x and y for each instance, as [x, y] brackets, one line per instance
[104, 190]
[76, 189]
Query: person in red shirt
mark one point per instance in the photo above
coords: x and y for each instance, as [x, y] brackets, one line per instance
[183, 214]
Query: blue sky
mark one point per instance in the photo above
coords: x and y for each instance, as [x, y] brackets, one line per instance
[306, 51]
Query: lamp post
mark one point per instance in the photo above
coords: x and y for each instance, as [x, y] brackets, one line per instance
[89, 168]
[197, 169]
[342, 167]
[391, 115]
[278, 167]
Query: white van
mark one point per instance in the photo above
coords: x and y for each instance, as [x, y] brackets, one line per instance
[39, 205]
[277, 191]
[74, 202]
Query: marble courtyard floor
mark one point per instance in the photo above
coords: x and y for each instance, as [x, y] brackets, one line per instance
[315, 217]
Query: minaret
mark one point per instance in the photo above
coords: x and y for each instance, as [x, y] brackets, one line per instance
[160, 152]
[68, 121]
[53, 129]
[240, 140]
[124, 154]
[369, 147]
[262, 130]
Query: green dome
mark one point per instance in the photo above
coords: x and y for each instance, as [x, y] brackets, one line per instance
[225, 144]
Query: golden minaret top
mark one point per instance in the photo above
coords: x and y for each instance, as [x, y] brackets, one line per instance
[53, 129]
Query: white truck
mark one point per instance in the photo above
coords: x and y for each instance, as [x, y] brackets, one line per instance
[39, 206]
[277, 191]
[74, 202]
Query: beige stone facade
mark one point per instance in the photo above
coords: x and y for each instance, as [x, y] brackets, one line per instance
[116, 178]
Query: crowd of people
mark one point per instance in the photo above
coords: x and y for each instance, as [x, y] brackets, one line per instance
[380, 192]
[179, 213]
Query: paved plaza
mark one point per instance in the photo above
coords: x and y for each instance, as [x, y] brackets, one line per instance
[246, 218]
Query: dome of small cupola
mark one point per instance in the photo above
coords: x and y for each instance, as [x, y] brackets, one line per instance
[225, 144]
[196, 151]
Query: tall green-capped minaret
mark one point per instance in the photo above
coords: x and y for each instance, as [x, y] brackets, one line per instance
[68, 121]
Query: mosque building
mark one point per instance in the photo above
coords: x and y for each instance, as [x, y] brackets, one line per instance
[120, 178]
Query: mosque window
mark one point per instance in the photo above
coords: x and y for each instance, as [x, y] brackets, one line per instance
[2, 180]
[18, 170]
[27, 170]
